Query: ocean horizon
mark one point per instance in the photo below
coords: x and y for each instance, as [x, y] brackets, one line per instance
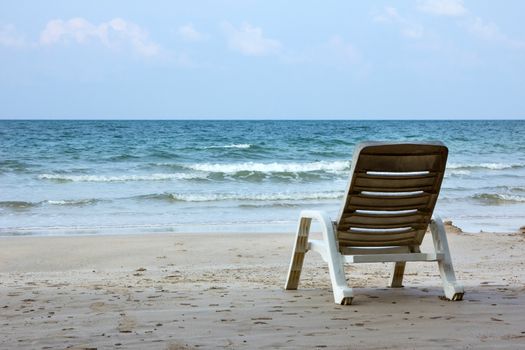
[67, 177]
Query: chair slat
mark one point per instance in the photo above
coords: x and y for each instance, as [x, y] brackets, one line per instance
[386, 207]
[388, 201]
[396, 163]
[384, 220]
[388, 214]
[385, 243]
[393, 184]
[415, 225]
[401, 149]
[376, 238]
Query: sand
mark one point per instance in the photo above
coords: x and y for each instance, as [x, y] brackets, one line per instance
[174, 291]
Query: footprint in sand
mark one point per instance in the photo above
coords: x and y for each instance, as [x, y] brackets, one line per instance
[126, 324]
[98, 306]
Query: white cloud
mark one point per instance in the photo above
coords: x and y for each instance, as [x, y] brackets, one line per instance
[491, 32]
[189, 33]
[443, 7]
[485, 30]
[407, 28]
[250, 41]
[112, 34]
[10, 38]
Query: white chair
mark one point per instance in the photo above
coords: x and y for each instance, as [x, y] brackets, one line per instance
[386, 211]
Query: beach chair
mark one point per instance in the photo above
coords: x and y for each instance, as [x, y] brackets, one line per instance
[386, 211]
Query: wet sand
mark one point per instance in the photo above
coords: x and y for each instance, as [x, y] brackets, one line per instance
[173, 291]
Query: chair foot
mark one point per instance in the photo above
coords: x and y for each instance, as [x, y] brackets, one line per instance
[397, 277]
[457, 297]
[347, 301]
[343, 295]
[454, 292]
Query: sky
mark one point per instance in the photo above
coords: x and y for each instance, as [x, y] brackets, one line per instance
[229, 59]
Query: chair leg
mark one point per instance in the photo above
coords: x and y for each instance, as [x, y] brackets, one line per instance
[343, 294]
[299, 251]
[453, 289]
[397, 278]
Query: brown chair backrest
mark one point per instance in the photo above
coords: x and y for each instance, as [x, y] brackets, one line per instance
[391, 194]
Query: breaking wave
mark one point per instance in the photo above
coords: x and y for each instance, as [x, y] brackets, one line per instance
[73, 202]
[229, 168]
[455, 172]
[248, 171]
[67, 202]
[11, 165]
[214, 197]
[496, 198]
[17, 204]
[120, 178]
[490, 166]
[235, 145]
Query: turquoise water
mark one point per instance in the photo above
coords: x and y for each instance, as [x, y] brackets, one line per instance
[78, 177]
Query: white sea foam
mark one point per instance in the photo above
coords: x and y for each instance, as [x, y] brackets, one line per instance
[72, 202]
[457, 173]
[491, 166]
[280, 196]
[229, 168]
[235, 145]
[106, 178]
[499, 198]
[512, 198]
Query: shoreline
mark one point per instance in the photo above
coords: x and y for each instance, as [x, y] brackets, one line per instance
[220, 229]
[450, 228]
[203, 291]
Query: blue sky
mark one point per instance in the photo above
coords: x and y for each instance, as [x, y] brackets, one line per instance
[428, 59]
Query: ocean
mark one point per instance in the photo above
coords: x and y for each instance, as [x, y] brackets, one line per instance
[111, 177]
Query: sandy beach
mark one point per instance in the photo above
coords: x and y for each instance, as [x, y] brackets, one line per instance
[162, 164]
[174, 291]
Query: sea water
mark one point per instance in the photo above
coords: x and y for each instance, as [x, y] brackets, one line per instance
[100, 177]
